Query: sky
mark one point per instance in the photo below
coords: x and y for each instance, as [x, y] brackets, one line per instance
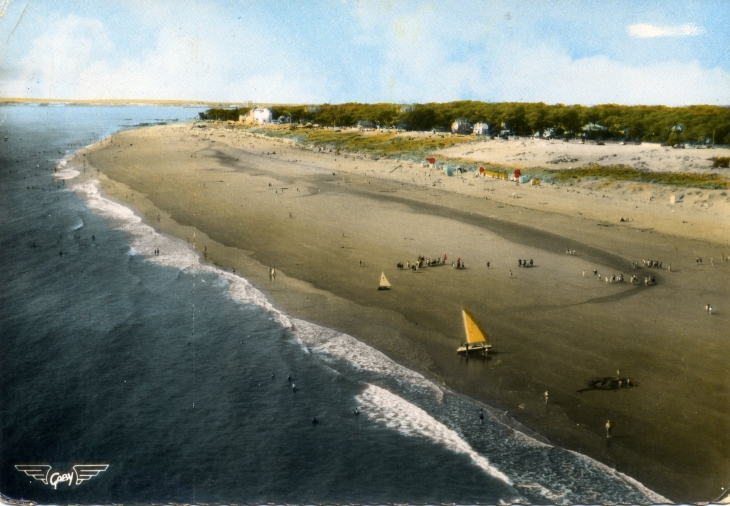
[279, 51]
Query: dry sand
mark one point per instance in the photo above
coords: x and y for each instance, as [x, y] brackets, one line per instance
[555, 153]
[252, 202]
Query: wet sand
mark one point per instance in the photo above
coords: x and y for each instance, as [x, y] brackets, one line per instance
[248, 203]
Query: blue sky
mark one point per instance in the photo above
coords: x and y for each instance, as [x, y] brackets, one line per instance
[553, 51]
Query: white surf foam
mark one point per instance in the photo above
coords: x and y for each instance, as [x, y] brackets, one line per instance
[650, 494]
[359, 354]
[63, 172]
[547, 493]
[396, 413]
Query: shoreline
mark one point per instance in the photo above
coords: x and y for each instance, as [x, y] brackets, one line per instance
[397, 331]
[495, 413]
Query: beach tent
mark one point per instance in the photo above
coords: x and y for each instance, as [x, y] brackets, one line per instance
[522, 179]
[676, 198]
[481, 170]
[517, 173]
[431, 160]
[448, 170]
[535, 181]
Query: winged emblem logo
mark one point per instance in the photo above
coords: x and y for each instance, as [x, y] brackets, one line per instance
[79, 474]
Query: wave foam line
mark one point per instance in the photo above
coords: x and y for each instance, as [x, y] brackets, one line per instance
[359, 354]
[653, 497]
[396, 413]
[549, 494]
[62, 172]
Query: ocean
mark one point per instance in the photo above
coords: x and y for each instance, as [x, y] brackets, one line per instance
[192, 387]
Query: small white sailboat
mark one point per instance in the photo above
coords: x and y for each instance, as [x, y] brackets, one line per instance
[477, 338]
[384, 285]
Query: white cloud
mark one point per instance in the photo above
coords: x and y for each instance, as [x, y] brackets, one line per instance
[56, 58]
[76, 59]
[550, 75]
[646, 30]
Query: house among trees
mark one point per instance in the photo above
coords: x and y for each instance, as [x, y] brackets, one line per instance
[407, 107]
[314, 109]
[483, 129]
[264, 115]
[462, 126]
[548, 133]
[594, 128]
[364, 124]
[507, 129]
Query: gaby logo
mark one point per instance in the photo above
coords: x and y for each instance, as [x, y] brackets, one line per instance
[79, 474]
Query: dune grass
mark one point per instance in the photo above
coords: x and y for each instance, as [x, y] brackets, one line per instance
[388, 144]
[626, 173]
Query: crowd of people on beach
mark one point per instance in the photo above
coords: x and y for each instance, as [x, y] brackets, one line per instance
[422, 261]
[656, 264]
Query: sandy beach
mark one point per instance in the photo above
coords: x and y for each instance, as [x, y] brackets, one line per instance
[330, 222]
[556, 153]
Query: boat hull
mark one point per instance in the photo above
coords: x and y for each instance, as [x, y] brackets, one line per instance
[474, 348]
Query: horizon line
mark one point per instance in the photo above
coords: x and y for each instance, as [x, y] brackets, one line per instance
[131, 101]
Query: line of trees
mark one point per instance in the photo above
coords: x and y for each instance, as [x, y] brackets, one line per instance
[673, 125]
[220, 114]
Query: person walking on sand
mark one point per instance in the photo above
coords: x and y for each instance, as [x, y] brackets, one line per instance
[584, 273]
[546, 395]
[510, 273]
[273, 272]
[609, 428]
[487, 265]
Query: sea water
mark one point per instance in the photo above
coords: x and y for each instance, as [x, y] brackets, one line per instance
[193, 387]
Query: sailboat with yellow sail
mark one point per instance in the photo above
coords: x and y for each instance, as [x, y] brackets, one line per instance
[477, 338]
[384, 285]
